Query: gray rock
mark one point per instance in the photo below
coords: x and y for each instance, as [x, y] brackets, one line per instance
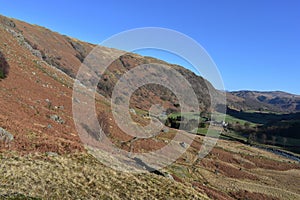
[23, 41]
[165, 130]
[9, 22]
[57, 119]
[131, 110]
[76, 100]
[183, 145]
[49, 103]
[6, 136]
[169, 176]
[52, 154]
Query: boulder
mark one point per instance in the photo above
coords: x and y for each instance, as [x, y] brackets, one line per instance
[57, 119]
[183, 145]
[5, 136]
[51, 154]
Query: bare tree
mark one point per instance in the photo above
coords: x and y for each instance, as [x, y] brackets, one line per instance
[284, 141]
[273, 139]
[264, 138]
[252, 137]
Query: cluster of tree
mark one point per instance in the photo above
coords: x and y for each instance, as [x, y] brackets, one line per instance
[289, 128]
[278, 133]
[183, 123]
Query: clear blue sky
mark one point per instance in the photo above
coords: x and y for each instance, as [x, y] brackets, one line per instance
[255, 43]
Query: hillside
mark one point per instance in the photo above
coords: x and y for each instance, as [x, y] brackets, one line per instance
[66, 54]
[32, 94]
[43, 157]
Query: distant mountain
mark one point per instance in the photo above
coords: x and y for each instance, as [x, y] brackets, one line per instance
[276, 101]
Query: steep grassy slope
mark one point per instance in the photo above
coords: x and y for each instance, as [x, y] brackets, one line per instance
[66, 54]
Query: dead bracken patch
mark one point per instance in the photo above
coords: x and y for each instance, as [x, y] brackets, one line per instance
[244, 194]
[212, 193]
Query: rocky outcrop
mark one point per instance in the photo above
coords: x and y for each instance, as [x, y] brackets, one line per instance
[6, 137]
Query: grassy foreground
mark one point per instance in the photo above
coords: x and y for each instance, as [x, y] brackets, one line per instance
[80, 176]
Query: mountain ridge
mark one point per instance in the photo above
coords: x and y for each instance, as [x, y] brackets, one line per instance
[274, 101]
